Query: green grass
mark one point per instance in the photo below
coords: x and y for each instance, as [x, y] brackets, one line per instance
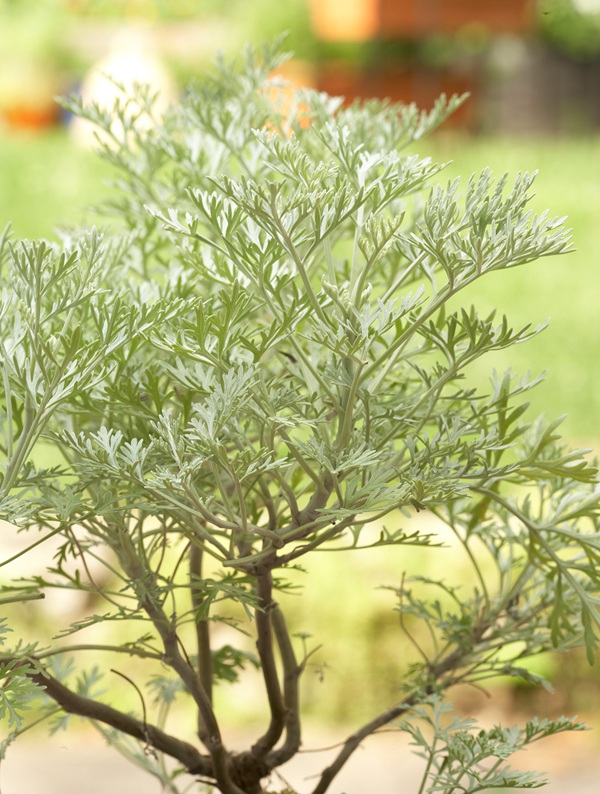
[562, 289]
[46, 181]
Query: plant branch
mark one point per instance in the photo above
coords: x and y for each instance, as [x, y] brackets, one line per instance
[352, 742]
[202, 627]
[72, 703]
[291, 677]
[31, 546]
[264, 644]
[129, 650]
[328, 534]
[297, 259]
[21, 597]
[210, 733]
[437, 679]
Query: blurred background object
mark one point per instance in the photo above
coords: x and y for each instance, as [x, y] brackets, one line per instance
[131, 61]
[34, 62]
[530, 65]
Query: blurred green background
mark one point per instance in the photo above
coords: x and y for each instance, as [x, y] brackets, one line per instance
[535, 106]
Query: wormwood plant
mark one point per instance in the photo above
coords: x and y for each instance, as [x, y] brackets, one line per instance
[270, 353]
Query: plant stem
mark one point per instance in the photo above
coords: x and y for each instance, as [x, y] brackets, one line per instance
[72, 703]
[264, 644]
[297, 259]
[351, 744]
[146, 588]
[291, 677]
[129, 650]
[21, 597]
[202, 627]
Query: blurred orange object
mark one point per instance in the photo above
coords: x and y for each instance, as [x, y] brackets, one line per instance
[362, 20]
[345, 20]
[286, 80]
[26, 117]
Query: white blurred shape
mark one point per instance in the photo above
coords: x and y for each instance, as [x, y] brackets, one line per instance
[587, 6]
[131, 61]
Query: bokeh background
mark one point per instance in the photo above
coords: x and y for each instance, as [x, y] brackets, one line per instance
[533, 72]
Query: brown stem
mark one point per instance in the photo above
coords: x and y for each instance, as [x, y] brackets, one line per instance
[202, 629]
[173, 657]
[306, 520]
[72, 703]
[264, 644]
[354, 741]
[437, 673]
[316, 502]
[291, 679]
[270, 505]
[301, 525]
[299, 551]
[146, 587]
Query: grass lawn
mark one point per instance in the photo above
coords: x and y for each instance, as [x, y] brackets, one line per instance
[45, 181]
[562, 289]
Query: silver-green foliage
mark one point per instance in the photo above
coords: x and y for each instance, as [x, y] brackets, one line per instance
[269, 350]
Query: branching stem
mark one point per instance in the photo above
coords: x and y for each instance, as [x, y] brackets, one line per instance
[264, 644]
[291, 677]
[202, 627]
[73, 703]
